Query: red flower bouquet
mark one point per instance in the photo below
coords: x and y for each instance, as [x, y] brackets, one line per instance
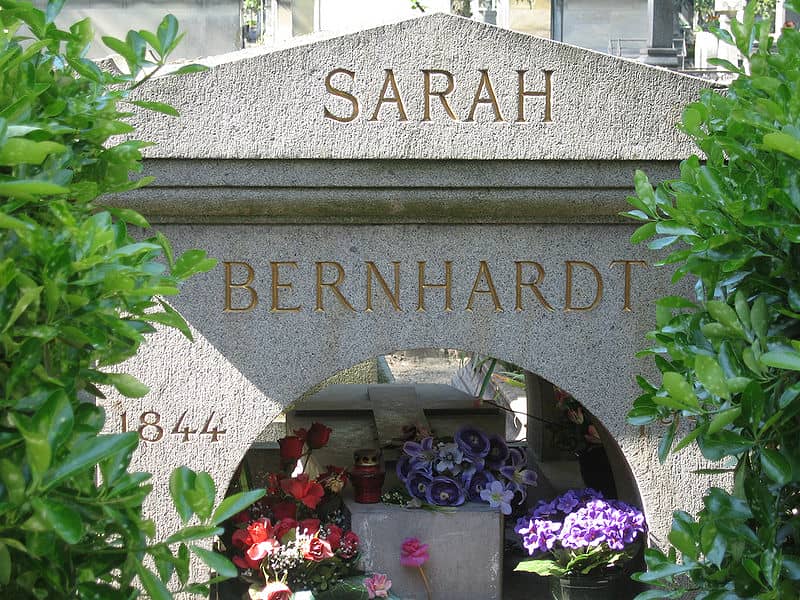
[302, 556]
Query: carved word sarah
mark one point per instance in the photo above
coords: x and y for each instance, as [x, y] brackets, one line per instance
[437, 85]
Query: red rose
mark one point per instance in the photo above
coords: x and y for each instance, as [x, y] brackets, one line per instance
[317, 550]
[348, 547]
[259, 531]
[301, 489]
[245, 562]
[318, 436]
[284, 510]
[333, 535]
[309, 526]
[291, 448]
[241, 517]
[258, 551]
[283, 527]
[241, 539]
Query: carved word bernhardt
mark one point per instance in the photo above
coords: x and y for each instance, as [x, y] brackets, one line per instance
[437, 85]
[242, 295]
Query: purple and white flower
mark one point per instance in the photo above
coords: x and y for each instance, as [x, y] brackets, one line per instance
[498, 496]
[472, 441]
[449, 459]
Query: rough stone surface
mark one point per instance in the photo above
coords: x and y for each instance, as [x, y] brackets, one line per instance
[273, 105]
[247, 367]
[461, 567]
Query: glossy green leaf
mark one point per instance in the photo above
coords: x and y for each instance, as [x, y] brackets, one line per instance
[128, 385]
[194, 533]
[710, 374]
[783, 142]
[782, 359]
[154, 587]
[5, 564]
[186, 69]
[235, 504]
[64, 520]
[776, 466]
[90, 453]
[159, 107]
[216, 562]
[680, 390]
[723, 419]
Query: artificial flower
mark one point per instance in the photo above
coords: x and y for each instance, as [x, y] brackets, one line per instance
[317, 550]
[260, 550]
[274, 590]
[417, 484]
[445, 491]
[498, 496]
[333, 479]
[378, 586]
[333, 535]
[291, 448]
[422, 454]
[303, 490]
[449, 458]
[498, 452]
[413, 553]
[259, 531]
[283, 527]
[472, 441]
[348, 547]
[309, 526]
[318, 436]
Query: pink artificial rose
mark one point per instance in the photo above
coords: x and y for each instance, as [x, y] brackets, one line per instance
[318, 550]
[245, 562]
[413, 553]
[262, 549]
[378, 586]
[274, 590]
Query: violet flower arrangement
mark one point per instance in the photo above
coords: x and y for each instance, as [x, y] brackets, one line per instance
[579, 533]
[473, 467]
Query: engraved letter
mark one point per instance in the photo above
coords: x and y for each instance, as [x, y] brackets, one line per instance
[447, 285]
[390, 81]
[598, 292]
[342, 94]
[628, 264]
[484, 273]
[229, 285]
[442, 94]
[533, 285]
[334, 285]
[522, 93]
[394, 298]
[485, 84]
[277, 286]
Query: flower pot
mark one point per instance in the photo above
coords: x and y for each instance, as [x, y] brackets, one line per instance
[583, 587]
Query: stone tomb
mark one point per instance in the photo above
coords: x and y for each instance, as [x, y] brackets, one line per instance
[437, 183]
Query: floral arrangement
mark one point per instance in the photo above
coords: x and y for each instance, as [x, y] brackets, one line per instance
[286, 541]
[579, 532]
[298, 555]
[473, 467]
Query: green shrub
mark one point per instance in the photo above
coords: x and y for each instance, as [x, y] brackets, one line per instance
[730, 361]
[77, 293]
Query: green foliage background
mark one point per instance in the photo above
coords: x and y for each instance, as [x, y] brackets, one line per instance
[78, 293]
[730, 360]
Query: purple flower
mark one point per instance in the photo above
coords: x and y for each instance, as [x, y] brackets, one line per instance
[580, 522]
[404, 467]
[472, 441]
[518, 476]
[498, 496]
[538, 535]
[417, 484]
[478, 483]
[422, 454]
[498, 452]
[449, 459]
[445, 491]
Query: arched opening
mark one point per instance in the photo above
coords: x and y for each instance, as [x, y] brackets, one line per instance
[413, 394]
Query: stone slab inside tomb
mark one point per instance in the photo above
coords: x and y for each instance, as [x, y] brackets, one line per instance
[440, 190]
